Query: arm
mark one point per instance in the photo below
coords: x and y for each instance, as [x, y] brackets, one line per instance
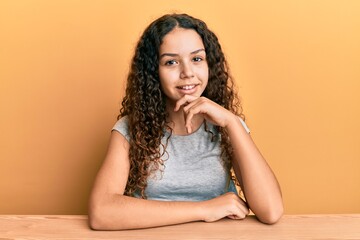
[257, 180]
[109, 209]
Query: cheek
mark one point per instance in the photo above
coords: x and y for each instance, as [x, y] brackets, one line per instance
[166, 81]
[203, 74]
[162, 78]
[167, 77]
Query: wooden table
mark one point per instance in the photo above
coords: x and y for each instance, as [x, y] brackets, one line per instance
[290, 227]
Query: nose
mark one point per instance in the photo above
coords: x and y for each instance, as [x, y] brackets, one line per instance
[186, 71]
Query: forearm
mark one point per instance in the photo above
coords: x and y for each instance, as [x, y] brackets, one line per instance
[117, 212]
[259, 184]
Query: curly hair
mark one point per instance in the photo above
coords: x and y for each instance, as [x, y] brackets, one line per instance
[144, 102]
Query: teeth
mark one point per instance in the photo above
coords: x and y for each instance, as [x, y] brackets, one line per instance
[187, 87]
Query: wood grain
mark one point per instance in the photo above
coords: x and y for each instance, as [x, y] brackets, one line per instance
[290, 227]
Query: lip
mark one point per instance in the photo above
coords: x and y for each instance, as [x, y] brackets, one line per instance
[187, 88]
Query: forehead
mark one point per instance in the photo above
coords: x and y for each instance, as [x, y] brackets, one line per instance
[181, 40]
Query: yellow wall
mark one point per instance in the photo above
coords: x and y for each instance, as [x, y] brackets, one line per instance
[62, 71]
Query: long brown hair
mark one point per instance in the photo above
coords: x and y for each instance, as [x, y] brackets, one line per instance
[144, 102]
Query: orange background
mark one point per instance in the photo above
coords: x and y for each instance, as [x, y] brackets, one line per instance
[62, 70]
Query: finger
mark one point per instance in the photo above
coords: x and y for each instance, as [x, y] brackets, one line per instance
[191, 104]
[196, 109]
[245, 210]
[244, 206]
[239, 210]
[240, 214]
[237, 214]
[234, 217]
[185, 100]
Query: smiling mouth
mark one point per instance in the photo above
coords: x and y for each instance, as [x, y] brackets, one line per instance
[187, 87]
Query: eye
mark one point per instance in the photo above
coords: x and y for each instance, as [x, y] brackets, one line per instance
[197, 59]
[170, 62]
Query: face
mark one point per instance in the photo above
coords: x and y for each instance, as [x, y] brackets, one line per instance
[183, 69]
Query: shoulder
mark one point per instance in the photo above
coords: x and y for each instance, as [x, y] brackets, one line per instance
[122, 126]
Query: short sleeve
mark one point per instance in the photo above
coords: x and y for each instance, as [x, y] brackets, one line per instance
[122, 126]
[244, 125]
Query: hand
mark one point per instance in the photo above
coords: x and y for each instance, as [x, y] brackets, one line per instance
[227, 205]
[211, 111]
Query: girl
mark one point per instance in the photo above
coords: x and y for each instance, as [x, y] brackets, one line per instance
[178, 138]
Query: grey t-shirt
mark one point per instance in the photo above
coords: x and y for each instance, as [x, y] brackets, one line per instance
[193, 169]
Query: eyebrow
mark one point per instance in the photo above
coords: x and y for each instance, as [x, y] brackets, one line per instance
[175, 54]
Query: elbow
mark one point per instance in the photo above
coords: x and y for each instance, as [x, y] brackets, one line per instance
[101, 218]
[94, 224]
[272, 216]
[99, 222]
[95, 220]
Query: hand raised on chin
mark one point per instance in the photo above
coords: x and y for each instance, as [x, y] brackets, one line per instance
[211, 111]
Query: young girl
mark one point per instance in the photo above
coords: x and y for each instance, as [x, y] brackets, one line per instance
[178, 138]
